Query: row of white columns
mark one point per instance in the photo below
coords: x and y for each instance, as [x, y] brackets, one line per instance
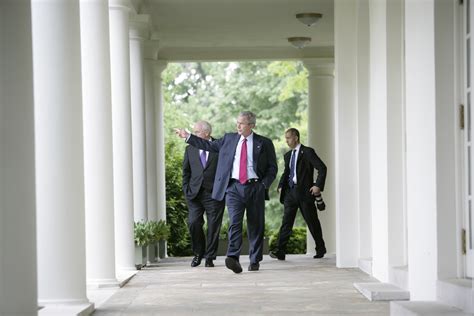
[74, 180]
[395, 155]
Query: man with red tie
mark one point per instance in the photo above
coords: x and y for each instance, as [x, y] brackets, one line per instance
[199, 170]
[245, 170]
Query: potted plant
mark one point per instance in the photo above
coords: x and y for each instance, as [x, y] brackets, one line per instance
[142, 239]
[158, 231]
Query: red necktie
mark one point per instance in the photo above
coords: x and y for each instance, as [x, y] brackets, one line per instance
[243, 163]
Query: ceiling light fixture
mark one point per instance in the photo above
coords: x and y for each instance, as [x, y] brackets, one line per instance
[309, 19]
[299, 42]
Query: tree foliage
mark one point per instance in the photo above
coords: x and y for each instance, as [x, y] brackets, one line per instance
[179, 240]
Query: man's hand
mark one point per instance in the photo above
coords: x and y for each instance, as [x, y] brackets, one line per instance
[279, 190]
[181, 132]
[315, 190]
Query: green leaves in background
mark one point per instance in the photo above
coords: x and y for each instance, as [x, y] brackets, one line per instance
[150, 232]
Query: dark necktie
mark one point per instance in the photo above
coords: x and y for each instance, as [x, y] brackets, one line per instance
[292, 168]
[243, 162]
[203, 158]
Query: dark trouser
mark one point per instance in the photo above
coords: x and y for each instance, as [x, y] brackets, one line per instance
[292, 202]
[203, 203]
[250, 197]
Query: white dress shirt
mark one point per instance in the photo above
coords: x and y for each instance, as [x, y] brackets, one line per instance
[236, 165]
[293, 152]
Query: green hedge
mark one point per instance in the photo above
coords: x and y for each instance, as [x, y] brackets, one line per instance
[296, 244]
[179, 241]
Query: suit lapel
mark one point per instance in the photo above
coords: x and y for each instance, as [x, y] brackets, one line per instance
[198, 157]
[300, 156]
[210, 158]
[257, 148]
[235, 143]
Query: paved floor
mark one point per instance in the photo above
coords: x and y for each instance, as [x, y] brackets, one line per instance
[300, 285]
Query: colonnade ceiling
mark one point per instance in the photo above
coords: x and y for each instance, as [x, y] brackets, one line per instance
[189, 30]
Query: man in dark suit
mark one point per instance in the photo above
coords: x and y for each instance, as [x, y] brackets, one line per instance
[245, 170]
[199, 169]
[298, 190]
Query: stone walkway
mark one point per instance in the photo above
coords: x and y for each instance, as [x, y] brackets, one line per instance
[300, 285]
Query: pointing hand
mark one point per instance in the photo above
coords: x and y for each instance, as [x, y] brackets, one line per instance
[181, 132]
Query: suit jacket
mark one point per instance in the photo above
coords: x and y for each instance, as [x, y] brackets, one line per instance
[195, 175]
[306, 162]
[264, 158]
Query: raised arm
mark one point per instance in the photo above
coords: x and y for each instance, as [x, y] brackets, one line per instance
[198, 142]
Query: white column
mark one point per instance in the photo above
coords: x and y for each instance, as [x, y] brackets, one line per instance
[18, 285]
[386, 137]
[122, 134]
[396, 159]
[346, 135]
[152, 197]
[139, 31]
[421, 148]
[378, 141]
[321, 138]
[98, 159]
[160, 148]
[59, 153]
[151, 162]
[363, 101]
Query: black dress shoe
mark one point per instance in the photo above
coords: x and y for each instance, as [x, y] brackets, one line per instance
[280, 255]
[254, 266]
[196, 261]
[232, 264]
[209, 263]
[319, 254]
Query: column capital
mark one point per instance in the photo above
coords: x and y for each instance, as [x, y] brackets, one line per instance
[323, 67]
[160, 66]
[121, 5]
[140, 26]
[151, 49]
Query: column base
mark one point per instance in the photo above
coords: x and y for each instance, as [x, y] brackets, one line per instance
[102, 283]
[365, 264]
[84, 309]
[123, 276]
[423, 308]
[375, 291]
[457, 293]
